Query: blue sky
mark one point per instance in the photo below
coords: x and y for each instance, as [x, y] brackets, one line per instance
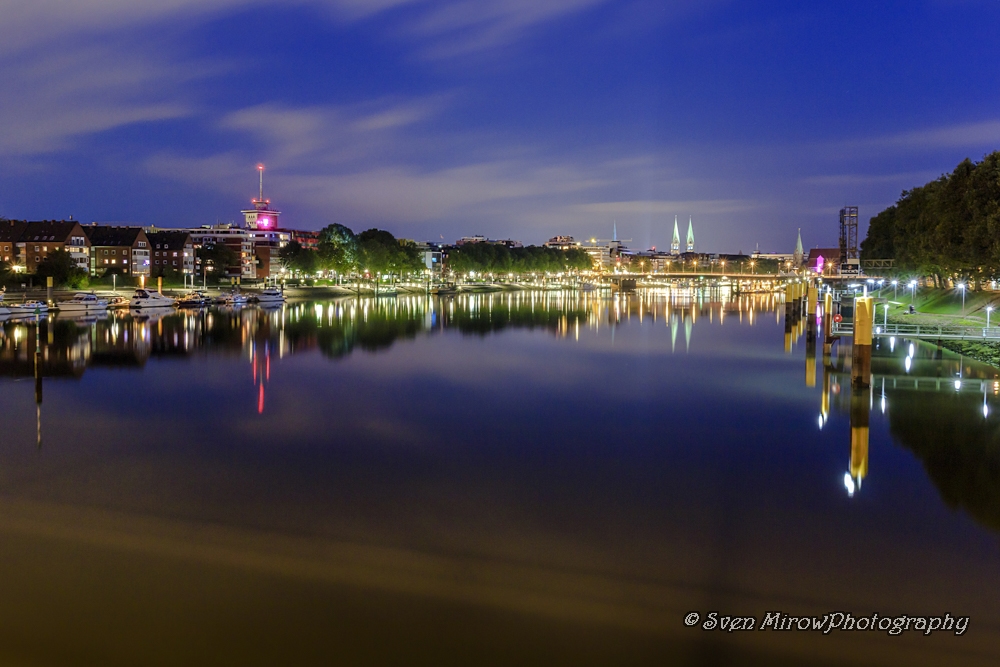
[509, 118]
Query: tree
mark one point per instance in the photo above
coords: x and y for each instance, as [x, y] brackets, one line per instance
[949, 227]
[218, 258]
[342, 244]
[62, 268]
[380, 252]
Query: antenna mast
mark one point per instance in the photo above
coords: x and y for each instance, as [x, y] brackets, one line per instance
[260, 169]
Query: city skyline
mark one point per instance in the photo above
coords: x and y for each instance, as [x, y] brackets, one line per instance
[501, 118]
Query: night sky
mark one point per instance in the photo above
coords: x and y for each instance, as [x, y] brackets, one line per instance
[510, 118]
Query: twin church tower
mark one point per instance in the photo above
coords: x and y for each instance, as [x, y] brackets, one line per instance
[675, 244]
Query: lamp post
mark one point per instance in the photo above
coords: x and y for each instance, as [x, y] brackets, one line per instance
[913, 289]
[894, 284]
[988, 309]
[961, 286]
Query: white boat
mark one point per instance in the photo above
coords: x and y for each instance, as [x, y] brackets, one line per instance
[232, 299]
[270, 295]
[144, 298]
[194, 299]
[28, 308]
[83, 302]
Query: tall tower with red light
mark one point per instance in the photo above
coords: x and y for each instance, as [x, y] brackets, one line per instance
[261, 216]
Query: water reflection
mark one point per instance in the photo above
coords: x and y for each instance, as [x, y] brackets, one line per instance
[338, 328]
[938, 406]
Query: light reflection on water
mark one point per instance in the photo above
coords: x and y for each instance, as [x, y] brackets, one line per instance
[546, 476]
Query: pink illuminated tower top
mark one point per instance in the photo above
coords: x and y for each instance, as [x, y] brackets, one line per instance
[261, 216]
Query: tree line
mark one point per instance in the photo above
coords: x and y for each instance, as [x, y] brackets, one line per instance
[948, 228]
[495, 258]
[374, 251]
[377, 252]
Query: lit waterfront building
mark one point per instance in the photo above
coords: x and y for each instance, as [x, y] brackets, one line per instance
[562, 242]
[261, 216]
[479, 238]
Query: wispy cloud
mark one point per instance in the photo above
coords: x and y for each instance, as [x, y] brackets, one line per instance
[840, 180]
[51, 99]
[444, 27]
[463, 26]
[664, 207]
[964, 135]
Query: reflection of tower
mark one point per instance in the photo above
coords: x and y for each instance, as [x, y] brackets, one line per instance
[261, 216]
[38, 382]
[675, 243]
[858, 470]
[687, 333]
[673, 332]
[690, 238]
[261, 372]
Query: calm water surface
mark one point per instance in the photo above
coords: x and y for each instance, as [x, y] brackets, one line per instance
[531, 478]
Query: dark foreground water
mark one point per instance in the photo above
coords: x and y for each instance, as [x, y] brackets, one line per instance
[539, 478]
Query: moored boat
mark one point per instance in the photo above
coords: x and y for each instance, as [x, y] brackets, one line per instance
[194, 299]
[270, 295]
[233, 298]
[83, 302]
[144, 298]
[28, 308]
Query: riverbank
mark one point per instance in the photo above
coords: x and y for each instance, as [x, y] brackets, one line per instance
[945, 307]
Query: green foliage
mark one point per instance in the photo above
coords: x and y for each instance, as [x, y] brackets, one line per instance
[298, 260]
[337, 250]
[63, 270]
[379, 252]
[948, 227]
[494, 258]
[218, 258]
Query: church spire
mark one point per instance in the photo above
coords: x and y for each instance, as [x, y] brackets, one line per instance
[799, 253]
[675, 244]
[690, 238]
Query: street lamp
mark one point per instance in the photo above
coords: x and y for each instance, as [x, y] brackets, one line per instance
[913, 289]
[894, 284]
[988, 309]
[961, 286]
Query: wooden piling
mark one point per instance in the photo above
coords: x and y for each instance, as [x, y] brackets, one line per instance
[861, 361]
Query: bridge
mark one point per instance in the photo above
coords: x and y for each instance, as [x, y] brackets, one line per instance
[923, 331]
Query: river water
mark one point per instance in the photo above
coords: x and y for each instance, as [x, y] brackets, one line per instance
[508, 478]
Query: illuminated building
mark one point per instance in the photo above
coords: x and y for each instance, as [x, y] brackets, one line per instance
[261, 216]
[30, 243]
[114, 249]
[172, 251]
